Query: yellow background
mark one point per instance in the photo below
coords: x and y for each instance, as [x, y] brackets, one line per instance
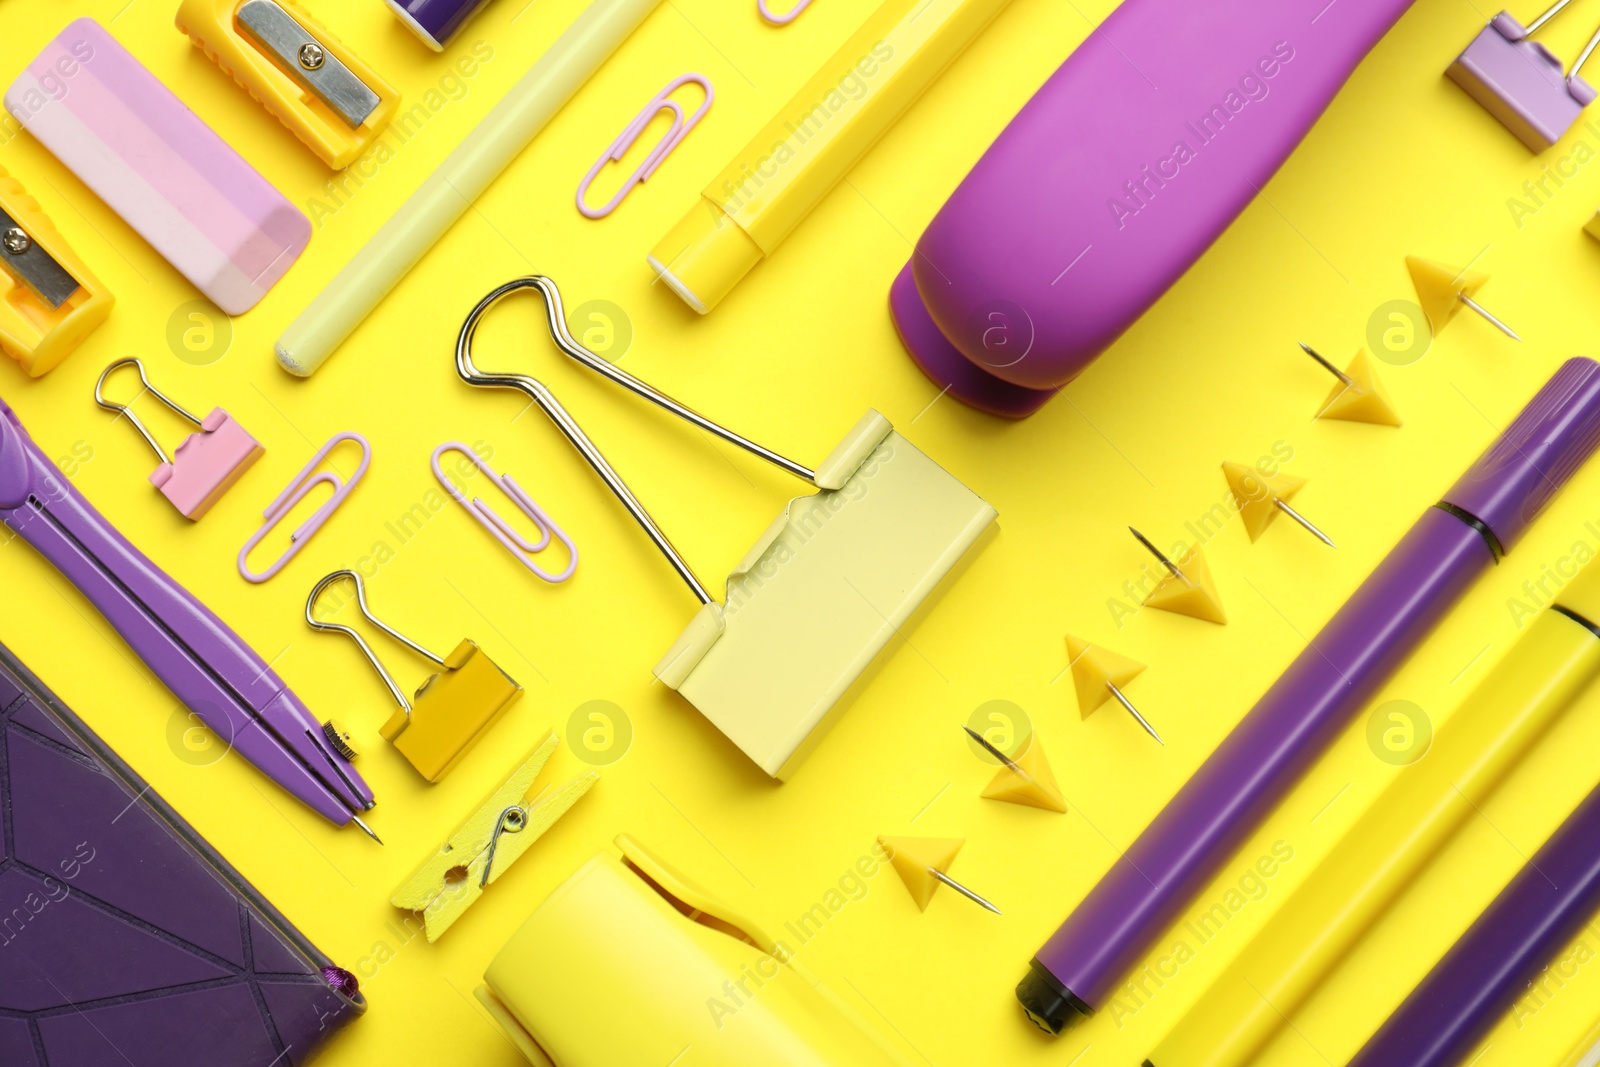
[1402, 163]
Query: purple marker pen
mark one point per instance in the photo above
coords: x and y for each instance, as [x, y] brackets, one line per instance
[435, 22]
[1474, 985]
[1120, 172]
[1480, 518]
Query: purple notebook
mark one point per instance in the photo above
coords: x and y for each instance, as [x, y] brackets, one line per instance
[125, 939]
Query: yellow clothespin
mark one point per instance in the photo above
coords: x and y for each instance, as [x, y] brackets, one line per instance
[297, 70]
[836, 581]
[451, 710]
[49, 302]
[485, 846]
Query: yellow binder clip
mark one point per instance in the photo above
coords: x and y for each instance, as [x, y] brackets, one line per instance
[297, 70]
[485, 846]
[627, 929]
[836, 578]
[451, 710]
[49, 302]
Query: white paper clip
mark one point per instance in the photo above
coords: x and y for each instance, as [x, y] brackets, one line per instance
[498, 528]
[295, 492]
[836, 578]
[676, 132]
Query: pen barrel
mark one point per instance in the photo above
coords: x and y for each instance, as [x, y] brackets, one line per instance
[1264, 756]
[1397, 836]
[1494, 962]
[448, 193]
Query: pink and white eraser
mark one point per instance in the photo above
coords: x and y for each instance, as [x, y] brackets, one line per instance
[151, 159]
[207, 464]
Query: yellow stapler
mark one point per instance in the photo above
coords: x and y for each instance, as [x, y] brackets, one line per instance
[485, 846]
[628, 930]
[49, 302]
[297, 70]
[450, 711]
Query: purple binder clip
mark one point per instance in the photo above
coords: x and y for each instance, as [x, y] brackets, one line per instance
[1521, 82]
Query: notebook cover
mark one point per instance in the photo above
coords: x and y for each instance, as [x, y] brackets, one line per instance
[126, 939]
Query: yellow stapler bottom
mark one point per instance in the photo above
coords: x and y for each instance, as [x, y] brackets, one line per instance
[628, 963]
[451, 711]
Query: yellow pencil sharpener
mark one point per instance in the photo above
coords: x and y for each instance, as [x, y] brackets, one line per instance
[451, 709]
[49, 302]
[693, 973]
[295, 69]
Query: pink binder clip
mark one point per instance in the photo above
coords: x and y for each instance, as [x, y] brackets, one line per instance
[679, 130]
[1521, 82]
[498, 528]
[781, 20]
[205, 465]
[297, 491]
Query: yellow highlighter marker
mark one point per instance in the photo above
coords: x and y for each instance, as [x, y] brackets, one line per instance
[813, 142]
[1398, 835]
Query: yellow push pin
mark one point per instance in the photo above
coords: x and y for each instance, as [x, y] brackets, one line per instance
[1099, 674]
[1359, 396]
[921, 863]
[1261, 496]
[1443, 292]
[1188, 588]
[1025, 780]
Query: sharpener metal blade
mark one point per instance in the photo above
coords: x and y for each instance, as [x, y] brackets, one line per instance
[33, 266]
[308, 61]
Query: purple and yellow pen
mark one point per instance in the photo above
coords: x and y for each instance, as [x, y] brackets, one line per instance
[1482, 516]
[208, 667]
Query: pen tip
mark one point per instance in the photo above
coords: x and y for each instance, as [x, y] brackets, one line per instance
[366, 829]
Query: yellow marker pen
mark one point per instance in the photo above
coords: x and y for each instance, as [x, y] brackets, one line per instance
[1398, 835]
[811, 144]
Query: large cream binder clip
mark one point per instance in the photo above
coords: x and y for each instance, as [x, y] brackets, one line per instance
[837, 576]
[485, 846]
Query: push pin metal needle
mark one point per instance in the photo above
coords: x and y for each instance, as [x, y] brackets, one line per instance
[1283, 506]
[1329, 367]
[1011, 764]
[1481, 310]
[1160, 555]
[1128, 704]
[963, 890]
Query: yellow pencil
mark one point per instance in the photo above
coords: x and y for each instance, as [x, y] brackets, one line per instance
[449, 191]
[1400, 833]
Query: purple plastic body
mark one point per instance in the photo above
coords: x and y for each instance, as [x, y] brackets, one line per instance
[436, 21]
[1477, 981]
[125, 938]
[1342, 667]
[1522, 83]
[208, 667]
[1118, 174]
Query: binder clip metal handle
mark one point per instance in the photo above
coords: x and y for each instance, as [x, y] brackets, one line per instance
[540, 394]
[361, 642]
[208, 462]
[451, 710]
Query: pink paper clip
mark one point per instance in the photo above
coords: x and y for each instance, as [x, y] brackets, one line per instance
[205, 465]
[499, 529]
[296, 491]
[781, 20]
[680, 129]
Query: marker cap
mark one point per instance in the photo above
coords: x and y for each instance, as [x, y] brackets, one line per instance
[704, 256]
[1536, 455]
